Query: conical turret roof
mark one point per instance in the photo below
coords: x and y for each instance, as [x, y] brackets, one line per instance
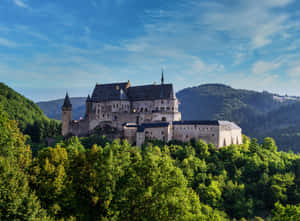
[88, 98]
[67, 102]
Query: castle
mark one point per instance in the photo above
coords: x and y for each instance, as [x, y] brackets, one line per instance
[139, 113]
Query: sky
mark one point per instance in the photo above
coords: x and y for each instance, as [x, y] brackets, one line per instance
[50, 47]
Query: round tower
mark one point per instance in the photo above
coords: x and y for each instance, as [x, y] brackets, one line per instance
[88, 106]
[66, 116]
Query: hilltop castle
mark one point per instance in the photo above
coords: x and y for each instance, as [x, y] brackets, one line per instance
[138, 113]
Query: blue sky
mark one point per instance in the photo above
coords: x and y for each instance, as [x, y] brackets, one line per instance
[48, 47]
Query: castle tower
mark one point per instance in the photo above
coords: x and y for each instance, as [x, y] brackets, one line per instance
[66, 116]
[88, 105]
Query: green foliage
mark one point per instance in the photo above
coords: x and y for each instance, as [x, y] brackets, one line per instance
[286, 213]
[17, 200]
[24, 111]
[93, 179]
[28, 115]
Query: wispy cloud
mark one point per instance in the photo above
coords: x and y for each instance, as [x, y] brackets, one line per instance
[7, 43]
[263, 67]
[20, 3]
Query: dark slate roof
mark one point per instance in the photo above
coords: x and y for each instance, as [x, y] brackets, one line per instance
[196, 122]
[88, 98]
[108, 92]
[230, 124]
[150, 92]
[67, 102]
[142, 127]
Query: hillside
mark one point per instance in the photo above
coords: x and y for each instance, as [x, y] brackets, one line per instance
[260, 114]
[53, 108]
[19, 108]
[30, 118]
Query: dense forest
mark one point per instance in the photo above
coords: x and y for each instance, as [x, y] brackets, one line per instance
[93, 179]
[30, 118]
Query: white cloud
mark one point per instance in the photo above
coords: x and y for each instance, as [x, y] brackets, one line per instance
[7, 43]
[263, 67]
[252, 20]
[20, 3]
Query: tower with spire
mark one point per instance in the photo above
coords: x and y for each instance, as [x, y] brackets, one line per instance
[162, 77]
[88, 106]
[66, 116]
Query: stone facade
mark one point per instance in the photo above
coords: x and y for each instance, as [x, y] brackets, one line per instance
[219, 133]
[138, 113]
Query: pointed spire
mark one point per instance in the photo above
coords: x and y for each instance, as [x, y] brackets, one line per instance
[88, 98]
[162, 76]
[67, 102]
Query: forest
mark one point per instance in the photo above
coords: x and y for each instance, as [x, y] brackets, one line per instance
[93, 179]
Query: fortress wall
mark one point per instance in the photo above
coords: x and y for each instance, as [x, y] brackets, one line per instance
[130, 134]
[186, 132]
[157, 133]
[230, 136]
[140, 138]
[142, 106]
[79, 128]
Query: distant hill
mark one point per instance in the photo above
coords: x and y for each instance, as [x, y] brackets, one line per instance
[259, 114]
[19, 108]
[53, 108]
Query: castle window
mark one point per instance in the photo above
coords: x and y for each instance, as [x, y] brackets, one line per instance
[146, 110]
[142, 109]
[162, 132]
[163, 119]
[168, 108]
[114, 105]
[103, 115]
[172, 108]
[162, 101]
[156, 108]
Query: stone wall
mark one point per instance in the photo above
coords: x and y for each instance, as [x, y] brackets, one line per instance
[186, 132]
[229, 136]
